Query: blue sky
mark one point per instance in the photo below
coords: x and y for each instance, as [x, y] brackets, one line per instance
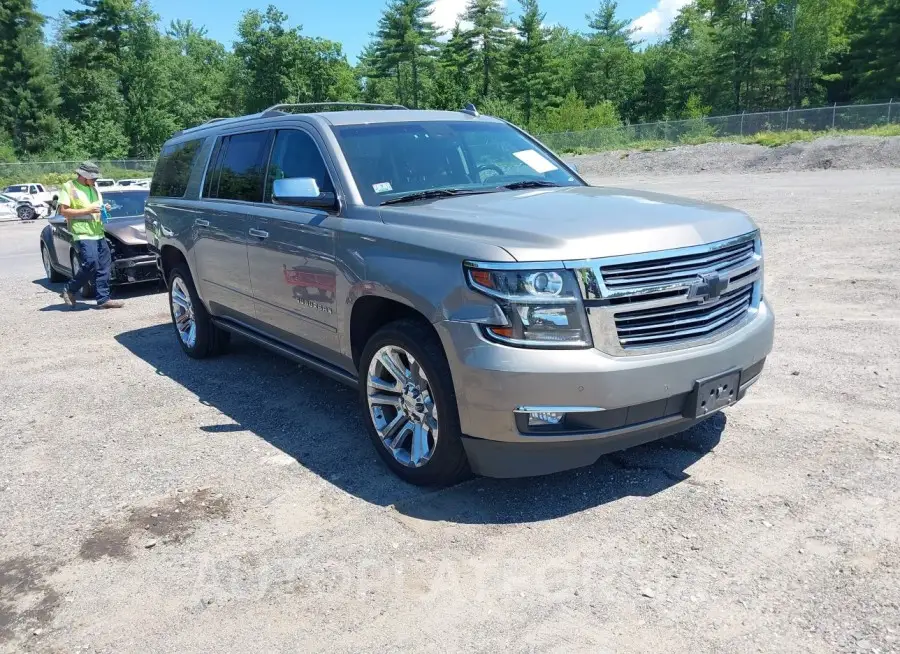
[351, 21]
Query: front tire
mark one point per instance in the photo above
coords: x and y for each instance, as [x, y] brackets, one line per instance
[197, 334]
[409, 401]
[26, 212]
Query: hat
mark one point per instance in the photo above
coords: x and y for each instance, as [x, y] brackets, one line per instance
[88, 170]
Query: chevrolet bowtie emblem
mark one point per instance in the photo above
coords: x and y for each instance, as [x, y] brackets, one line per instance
[708, 286]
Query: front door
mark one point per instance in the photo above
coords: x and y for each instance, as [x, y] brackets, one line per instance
[233, 187]
[292, 266]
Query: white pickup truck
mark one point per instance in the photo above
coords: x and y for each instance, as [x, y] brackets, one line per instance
[33, 200]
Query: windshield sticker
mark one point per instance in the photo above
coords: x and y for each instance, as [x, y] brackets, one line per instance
[382, 187]
[535, 160]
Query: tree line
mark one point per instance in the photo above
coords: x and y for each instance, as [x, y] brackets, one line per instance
[111, 84]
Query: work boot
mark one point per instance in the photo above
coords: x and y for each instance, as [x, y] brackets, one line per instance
[68, 297]
[111, 304]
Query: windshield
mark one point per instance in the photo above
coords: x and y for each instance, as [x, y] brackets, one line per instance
[126, 203]
[19, 188]
[395, 159]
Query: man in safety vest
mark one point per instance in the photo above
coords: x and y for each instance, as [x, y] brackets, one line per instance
[80, 203]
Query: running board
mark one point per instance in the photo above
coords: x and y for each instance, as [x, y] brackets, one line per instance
[287, 351]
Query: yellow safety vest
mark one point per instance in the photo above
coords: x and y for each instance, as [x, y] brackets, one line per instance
[83, 228]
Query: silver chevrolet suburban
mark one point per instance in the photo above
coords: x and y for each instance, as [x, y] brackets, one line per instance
[497, 313]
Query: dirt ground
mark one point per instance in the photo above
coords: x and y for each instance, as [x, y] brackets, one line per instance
[837, 152]
[153, 503]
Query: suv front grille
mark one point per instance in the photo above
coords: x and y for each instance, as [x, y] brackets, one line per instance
[691, 320]
[671, 299]
[675, 269]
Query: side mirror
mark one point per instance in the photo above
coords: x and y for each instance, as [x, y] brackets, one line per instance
[56, 219]
[302, 192]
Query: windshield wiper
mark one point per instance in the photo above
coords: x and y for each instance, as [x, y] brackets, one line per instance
[529, 183]
[434, 193]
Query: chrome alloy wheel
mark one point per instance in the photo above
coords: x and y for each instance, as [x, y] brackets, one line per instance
[183, 312]
[402, 406]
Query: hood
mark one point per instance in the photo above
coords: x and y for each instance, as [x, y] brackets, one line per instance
[129, 230]
[570, 223]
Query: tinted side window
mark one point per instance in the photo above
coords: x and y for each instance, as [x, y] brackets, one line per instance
[295, 155]
[243, 167]
[173, 169]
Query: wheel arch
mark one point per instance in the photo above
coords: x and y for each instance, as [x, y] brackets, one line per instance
[370, 313]
[171, 256]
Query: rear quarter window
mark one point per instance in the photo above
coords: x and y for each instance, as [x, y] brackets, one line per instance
[173, 169]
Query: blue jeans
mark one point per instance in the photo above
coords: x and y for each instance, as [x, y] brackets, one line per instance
[96, 263]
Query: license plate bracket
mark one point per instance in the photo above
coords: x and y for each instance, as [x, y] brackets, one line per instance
[713, 393]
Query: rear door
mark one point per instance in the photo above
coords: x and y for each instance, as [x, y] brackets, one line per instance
[292, 264]
[232, 188]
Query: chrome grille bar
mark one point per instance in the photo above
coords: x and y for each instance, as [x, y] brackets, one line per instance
[688, 268]
[671, 299]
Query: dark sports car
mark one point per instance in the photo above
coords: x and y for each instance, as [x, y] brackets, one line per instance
[132, 261]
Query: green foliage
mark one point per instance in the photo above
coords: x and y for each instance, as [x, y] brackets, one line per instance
[489, 35]
[503, 109]
[28, 97]
[111, 84]
[528, 75]
[406, 42]
[871, 65]
[573, 115]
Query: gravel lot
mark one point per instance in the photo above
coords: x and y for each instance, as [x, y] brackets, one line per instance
[839, 153]
[152, 503]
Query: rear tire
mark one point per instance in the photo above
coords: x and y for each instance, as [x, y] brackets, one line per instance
[196, 333]
[441, 461]
[52, 275]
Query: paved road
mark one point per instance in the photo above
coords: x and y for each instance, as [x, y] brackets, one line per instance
[152, 503]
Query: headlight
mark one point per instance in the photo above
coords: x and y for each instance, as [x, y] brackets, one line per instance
[542, 307]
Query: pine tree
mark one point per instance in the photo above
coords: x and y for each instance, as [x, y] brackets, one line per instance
[406, 39]
[489, 36]
[872, 64]
[28, 96]
[611, 69]
[528, 74]
[453, 85]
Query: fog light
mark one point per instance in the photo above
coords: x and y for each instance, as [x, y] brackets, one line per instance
[540, 418]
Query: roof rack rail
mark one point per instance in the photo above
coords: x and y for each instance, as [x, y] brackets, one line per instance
[214, 120]
[279, 108]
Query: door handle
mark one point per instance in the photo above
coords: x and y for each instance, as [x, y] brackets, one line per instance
[199, 222]
[258, 233]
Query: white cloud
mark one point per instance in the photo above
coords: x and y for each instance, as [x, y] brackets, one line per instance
[656, 22]
[447, 12]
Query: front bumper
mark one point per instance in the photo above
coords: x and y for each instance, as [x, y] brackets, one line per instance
[135, 270]
[492, 381]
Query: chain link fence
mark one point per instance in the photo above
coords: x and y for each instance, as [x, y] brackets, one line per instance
[28, 171]
[819, 119]
[835, 117]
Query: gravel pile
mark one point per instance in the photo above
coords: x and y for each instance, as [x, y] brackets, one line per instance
[842, 153]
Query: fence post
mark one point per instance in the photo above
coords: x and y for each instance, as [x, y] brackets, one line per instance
[742, 121]
[787, 118]
[833, 115]
[890, 104]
